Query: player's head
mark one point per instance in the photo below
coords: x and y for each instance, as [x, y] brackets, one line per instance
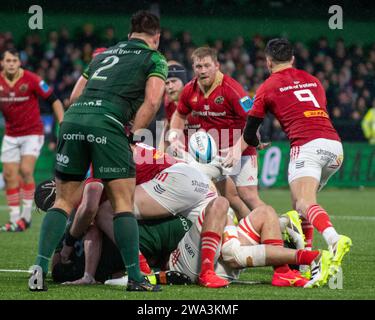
[176, 80]
[10, 61]
[279, 52]
[144, 24]
[205, 65]
[45, 195]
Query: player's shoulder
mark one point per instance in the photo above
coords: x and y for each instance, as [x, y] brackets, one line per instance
[232, 86]
[30, 75]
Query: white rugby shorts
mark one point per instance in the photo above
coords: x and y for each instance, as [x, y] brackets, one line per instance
[13, 148]
[319, 158]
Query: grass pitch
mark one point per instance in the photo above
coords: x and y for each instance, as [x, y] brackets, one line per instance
[352, 213]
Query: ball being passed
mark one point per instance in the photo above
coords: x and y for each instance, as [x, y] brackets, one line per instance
[202, 147]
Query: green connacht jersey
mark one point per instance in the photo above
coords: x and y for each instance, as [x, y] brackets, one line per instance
[117, 79]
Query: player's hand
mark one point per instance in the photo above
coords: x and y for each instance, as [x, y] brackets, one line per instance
[176, 146]
[231, 156]
[263, 145]
[65, 253]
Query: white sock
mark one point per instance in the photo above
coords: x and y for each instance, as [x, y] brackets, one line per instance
[26, 209]
[330, 236]
[14, 213]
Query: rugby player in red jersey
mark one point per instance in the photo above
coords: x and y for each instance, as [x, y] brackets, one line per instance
[24, 134]
[219, 102]
[298, 101]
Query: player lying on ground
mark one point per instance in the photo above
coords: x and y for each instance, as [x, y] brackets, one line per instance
[240, 249]
[298, 101]
[165, 188]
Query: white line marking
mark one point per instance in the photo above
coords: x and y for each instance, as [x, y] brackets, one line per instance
[359, 218]
[14, 270]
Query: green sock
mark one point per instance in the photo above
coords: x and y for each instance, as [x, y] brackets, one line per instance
[51, 232]
[125, 228]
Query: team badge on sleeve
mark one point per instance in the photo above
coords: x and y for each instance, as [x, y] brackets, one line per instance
[44, 86]
[247, 103]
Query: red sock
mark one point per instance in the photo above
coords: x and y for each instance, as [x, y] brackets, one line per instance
[210, 241]
[143, 265]
[13, 197]
[279, 243]
[27, 191]
[306, 256]
[308, 231]
[318, 217]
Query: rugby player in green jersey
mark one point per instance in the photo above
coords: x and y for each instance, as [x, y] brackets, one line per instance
[124, 83]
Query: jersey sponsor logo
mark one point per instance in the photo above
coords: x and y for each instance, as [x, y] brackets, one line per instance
[208, 113]
[219, 100]
[299, 86]
[112, 170]
[62, 159]
[24, 87]
[44, 86]
[99, 140]
[190, 250]
[246, 103]
[315, 113]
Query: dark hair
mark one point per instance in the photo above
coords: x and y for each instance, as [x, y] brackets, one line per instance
[12, 51]
[45, 195]
[279, 50]
[144, 22]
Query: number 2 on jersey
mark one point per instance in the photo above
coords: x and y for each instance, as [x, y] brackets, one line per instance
[114, 59]
[306, 95]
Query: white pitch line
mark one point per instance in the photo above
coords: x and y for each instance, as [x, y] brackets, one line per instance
[14, 270]
[360, 218]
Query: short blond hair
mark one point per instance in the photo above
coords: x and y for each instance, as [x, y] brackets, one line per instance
[203, 52]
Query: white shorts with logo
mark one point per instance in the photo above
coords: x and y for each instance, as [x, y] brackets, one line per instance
[186, 257]
[180, 189]
[243, 174]
[319, 158]
[13, 148]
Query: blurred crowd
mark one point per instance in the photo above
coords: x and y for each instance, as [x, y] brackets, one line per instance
[346, 72]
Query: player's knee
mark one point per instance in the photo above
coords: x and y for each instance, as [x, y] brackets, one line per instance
[10, 176]
[220, 206]
[26, 173]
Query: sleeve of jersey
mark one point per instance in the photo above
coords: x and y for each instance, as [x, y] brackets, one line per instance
[86, 72]
[240, 100]
[258, 108]
[183, 106]
[159, 67]
[42, 88]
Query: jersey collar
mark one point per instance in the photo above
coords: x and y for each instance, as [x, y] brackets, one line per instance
[217, 82]
[12, 84]
[140, 42]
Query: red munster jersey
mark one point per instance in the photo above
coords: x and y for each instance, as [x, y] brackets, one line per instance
[298, 101]
[19, 104]
[221, 111]
[149, 162]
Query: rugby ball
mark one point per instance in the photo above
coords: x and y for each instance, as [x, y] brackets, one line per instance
[202, 147]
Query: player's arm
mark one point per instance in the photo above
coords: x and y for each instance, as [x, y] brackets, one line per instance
[154, 91]
[58, 110]
[78, 88]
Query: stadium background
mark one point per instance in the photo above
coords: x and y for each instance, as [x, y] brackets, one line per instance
[239, 29]
[344, 60]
